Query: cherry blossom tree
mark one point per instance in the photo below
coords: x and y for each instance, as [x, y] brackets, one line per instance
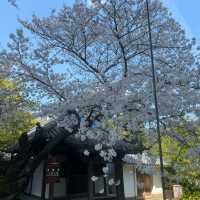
[93, 61]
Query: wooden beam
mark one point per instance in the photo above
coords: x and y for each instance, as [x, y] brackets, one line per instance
[31, 166]
[119, 177]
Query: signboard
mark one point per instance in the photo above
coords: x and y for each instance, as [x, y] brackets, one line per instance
[53, 171]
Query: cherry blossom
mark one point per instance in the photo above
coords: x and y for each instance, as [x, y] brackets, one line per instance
[94, 61]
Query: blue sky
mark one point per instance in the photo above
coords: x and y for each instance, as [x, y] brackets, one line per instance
[187, 12]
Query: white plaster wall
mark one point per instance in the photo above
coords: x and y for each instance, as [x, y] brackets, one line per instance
[28, 187]
[99, 185]
[157, 185]
[129, 177]
[37, 180]
[59, 189]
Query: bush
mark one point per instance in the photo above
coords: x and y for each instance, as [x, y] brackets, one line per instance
[191, 196]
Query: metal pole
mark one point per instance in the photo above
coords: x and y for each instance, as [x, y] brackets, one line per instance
[156, 102]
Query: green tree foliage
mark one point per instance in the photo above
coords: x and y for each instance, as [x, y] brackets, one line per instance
[181, 166]
[14, 127]
[15, 117]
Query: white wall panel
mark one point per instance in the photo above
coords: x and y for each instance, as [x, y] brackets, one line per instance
[59, 189]
[37, 180]
[129, 177]
[157, 185]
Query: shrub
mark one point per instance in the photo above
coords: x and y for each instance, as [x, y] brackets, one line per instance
[191, 196]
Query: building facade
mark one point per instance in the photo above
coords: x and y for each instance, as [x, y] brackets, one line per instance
[53, 166]
[81, 178]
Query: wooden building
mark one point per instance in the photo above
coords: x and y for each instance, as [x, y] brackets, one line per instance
[82, 178]
[55, 167]
[149, 186]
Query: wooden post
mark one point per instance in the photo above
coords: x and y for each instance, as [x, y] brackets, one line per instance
[67, 188]
[90, 183]
[31, 185]
[119, 177]
[51, 191]
[105, 186]
[67, 172]
[44, 181]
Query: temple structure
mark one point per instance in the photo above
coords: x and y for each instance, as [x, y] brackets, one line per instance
[56, 166]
